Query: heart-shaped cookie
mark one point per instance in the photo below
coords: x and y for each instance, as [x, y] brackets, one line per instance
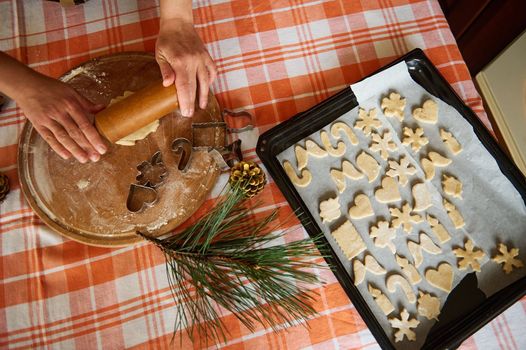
[140, 197]
[441, 278]
[362, 207]
[428, 113]
[388, 192]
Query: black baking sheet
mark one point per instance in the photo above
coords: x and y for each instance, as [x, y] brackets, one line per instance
[466, 309]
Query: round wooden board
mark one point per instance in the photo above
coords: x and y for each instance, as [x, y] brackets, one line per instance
[87, 202]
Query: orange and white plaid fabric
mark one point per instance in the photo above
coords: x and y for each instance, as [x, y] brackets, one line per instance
[275, 59]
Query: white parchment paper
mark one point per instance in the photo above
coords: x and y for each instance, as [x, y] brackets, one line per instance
[493, 210]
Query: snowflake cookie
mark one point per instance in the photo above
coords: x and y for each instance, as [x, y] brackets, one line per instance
[393, 106]
[469, 256]
[401, 169]
[383, 144]
[367, 121]
[508, 258]
[415, 138]
[404, 326]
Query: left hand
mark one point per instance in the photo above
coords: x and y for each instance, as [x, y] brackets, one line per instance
[183, 59]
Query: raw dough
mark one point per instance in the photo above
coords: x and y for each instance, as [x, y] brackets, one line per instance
[383, 235]
[428, 113]
[408, 269]
[349, 240]
[508, 258]
[434, 159]
[415, 138]
[469, 256]
[393, 106]
[368, 165]
[428, 306]
[330, 210]
[450, 141]
[438, 159]
[441, 278]
[303, 181]
[452, 186]
[454, 214]
[398, 280]
[311, 149]
[341, 126]
[401, 170]
[426, 244]
[429, 168]
[369, 264]
[362, 207]
[421, 197]
[367, 121]
[348, 170]
[335, 152]
[383, 144]
[438, 229]
[404, 325]
[404, 218]
[388, 192]
[383, 302]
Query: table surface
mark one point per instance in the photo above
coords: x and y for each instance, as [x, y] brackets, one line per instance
[275, 59]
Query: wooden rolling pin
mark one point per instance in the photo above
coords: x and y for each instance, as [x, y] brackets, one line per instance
[136, 111]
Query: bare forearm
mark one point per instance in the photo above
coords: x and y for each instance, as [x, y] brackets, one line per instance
[15, 77]
[177, 9]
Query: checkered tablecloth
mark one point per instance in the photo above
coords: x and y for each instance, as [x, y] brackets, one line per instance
[275, 58]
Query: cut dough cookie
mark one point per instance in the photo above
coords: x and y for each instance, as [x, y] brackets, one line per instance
[404, 218]
[362, 207]
[383, 144]
[404, 326]
[408, 269]
[369, 264]
[347, 170]
[508, 258]
[452, 186]
[330, 210]
[388, 192]
[428, 113]
[469, 256]
[367, 121]
[393, 106]
[303, 181]
[428, 306]
[438, 229]
[421, 197]
[438, 160]
[349, 240]
[401, 169]
[441, 278]
[368, 165]
[451, 142]
[337, 127]
[429, 168]
[454, 214]
[383, 235]
[383, 302]
[335, 152]
[398, 280]
[311, 149]
[425, 244]
[414, 138]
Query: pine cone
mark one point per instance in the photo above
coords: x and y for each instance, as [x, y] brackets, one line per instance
[249, 177]
[4, 186]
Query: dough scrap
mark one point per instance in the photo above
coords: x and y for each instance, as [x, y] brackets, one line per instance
[341, 126]
[438, 159]
[383, 302]
[393, 106]
[404, 326]
[383, 144]
[401, 169]
[404, 218]
[408, 269]
[367, 121]
[428, 113]
[349, 240]
[383, 235]
[454, 214]
[425, 244]
[311, 149]
[414, 138]
[508, 258]
[450, 141]
[398, 280]
[347, 170]
[335, 152]
[300, 181]
[330, 210]
[369, 264]
[368, 165]
[388, 192]
[452, 186]
[441, 278]
[421, 197]
[438, 229]
[469, 256]
[362, 207]
[429, 168]
[428, 306]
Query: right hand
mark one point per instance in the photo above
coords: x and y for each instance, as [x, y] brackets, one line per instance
[63, 118]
